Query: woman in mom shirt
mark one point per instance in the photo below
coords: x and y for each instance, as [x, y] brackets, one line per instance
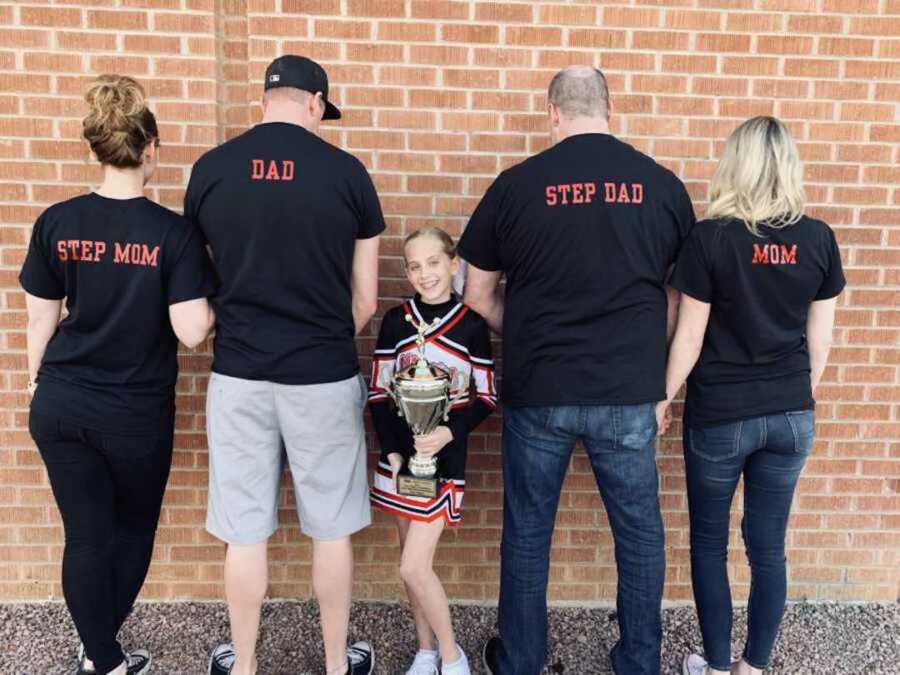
[135, 278]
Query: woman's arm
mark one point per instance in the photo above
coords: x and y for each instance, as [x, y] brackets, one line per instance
[192, 320]
[819, 330]
[43, 317]
[693, 317]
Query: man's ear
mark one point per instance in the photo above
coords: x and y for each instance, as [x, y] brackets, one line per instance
[553, 111]
[317, 105]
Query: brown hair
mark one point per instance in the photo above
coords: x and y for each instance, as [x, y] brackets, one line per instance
[436, 232]
[119, 125]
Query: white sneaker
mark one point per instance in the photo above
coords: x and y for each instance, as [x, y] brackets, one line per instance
[458, 667]
[693, 664]
[425, 663]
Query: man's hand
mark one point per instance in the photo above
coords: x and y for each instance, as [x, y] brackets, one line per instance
[433, 443]
[663, 417]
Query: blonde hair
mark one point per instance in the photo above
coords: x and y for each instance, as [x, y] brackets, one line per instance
[119, 124]
[439, 234]
[759, 178]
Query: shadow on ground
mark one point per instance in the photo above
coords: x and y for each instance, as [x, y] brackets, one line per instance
[39, 639]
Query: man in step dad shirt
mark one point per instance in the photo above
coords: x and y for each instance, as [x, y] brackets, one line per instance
[293, 223]
[586, 233]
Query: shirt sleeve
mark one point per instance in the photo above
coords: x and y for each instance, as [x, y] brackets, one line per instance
[39, 276]
[480, 244]
[684, 213]
[191, 275]
[393, 435]
[371, 221]
[462, 422]
[834, 280]
[693, 274]
[192, 195]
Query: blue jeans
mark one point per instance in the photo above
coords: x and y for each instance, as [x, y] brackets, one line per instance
[769, 452]
[537, 448]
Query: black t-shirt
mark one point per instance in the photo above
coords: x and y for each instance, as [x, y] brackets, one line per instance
[282, 210]
[586, 233]
[120, 263]
[754, 359]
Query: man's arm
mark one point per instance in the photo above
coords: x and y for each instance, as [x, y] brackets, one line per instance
[364, 281]
[482, 293]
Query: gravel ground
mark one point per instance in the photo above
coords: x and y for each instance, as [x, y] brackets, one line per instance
[816, 639]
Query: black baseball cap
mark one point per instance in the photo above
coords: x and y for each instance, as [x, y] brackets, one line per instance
[301, 73]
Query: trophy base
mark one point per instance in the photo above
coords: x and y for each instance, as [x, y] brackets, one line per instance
[415, 486]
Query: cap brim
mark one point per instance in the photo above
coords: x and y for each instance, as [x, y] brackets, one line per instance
[331, 112]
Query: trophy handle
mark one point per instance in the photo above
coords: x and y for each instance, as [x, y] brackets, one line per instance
[389, 389]
[451, 400]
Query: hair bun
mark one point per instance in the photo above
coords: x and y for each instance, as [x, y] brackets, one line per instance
[118, 124]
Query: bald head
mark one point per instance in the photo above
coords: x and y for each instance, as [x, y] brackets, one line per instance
[580, 91]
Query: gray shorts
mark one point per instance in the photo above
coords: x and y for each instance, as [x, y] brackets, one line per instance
[252, 425]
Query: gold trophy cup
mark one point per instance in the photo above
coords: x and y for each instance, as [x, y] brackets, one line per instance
[421, 392]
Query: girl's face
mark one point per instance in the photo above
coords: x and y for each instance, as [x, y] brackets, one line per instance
[429, 269]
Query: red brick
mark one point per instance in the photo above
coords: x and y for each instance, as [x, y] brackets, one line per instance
[453, 32]
[117, 20]
[376, 8]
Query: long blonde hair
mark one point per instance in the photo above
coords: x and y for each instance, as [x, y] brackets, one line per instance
[759, 178]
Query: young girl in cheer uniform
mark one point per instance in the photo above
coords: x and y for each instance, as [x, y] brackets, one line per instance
[460, 342]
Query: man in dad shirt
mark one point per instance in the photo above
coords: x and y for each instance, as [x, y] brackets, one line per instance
[293, 223]
[585, 233]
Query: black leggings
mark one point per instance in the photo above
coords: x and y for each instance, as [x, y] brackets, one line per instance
[109, 489]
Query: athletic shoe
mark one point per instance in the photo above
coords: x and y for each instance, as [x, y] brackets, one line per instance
[693, 664]
[489, 655]
[138, 662]
[221, 660]
[82, 668]
[360, 659]
[425, 663]
[458, 667]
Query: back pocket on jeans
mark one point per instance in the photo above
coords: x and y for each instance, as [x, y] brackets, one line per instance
[716, 443]
[803, 426]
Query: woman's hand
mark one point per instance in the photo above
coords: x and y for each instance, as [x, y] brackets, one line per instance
[395, 459]
[431, 444]
[663, 417]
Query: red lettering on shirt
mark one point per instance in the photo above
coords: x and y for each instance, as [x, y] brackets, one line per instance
[262, 169]
[580, 193]
[136, 254]
[123, 254]
[623, 193]
[287, 170]
[258, 169]
[774, 254]
[80, 250]
[550, 195]
[609, 192]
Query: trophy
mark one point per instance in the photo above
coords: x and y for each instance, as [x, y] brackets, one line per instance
[421, 393]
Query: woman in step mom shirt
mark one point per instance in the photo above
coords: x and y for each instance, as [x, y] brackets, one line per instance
[759, 283]
[135, 277]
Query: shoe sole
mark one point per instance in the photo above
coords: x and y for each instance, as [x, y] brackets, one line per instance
[146, 669]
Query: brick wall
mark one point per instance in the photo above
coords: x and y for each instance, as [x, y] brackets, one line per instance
[438, 96]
